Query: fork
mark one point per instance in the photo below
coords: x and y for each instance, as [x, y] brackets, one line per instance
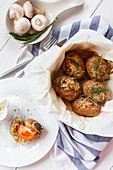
[48, 44]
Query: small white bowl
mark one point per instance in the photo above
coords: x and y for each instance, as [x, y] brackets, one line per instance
[38, 4]
[52, 9]
[4, 114]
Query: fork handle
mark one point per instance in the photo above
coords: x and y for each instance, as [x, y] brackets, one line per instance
[22, 65]
[16, 68]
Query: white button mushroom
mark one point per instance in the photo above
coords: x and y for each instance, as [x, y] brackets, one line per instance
[16, 11]
[39, 22]
[28, 9]
[31, 31]
[38, 11]
[22, 26]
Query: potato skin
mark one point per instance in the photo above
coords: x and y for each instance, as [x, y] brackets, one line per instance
[100, 98]
[33, 124]
[73, 65]
[14, 129]
[101, 72]
[89, 110]
[68, 88]
[84, 79]
[30, 123]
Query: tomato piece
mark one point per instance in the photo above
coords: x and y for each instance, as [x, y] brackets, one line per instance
[87, 105]
[26, 133]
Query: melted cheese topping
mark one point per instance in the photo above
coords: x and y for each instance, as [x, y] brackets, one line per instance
[97, 97]
[69, 85]
[86, 103]
[73, 67]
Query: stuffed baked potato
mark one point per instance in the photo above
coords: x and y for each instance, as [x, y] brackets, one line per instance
[97, 68]
[25, 130]
[86, 107]
[83, 73]
[99, 92]
[73, 65]
[67, 87]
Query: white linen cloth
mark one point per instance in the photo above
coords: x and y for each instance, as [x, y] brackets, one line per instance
[40, 73]
[74, 149]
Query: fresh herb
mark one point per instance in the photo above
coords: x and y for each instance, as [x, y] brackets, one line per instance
[75, 79]
[74, 62]
[105, 80]
[97, 90]
[71, 89]
[97, 63]
[59, 84]
[28, 38]
[55, 85]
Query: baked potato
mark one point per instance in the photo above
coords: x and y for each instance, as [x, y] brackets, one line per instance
[17, 121]
[97, 68]
[99, 92]
[25, 130]
[84, 79]
[33, 124]
[73, 65]
[67, 87]
[86, 107]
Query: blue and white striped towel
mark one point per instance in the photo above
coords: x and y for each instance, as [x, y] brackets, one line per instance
[74, 149]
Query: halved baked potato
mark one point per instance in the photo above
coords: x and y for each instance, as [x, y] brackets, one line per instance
[25, 130]
[99, 92]
[33, 124]
[86, 107]
[97, 68]
[85, 78]
[67, 87]
[73, 65]
[17, 121]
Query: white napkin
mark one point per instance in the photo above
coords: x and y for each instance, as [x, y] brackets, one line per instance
[74, 149]
[39, 77]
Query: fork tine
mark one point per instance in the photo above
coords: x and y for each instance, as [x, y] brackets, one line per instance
[49, 43]
[50, 39]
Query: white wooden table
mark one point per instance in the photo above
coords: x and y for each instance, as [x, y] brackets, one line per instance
[9, 51]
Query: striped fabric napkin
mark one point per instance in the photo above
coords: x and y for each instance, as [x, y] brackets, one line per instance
[74, 149]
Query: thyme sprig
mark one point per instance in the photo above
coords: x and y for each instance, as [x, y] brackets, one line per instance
[105, 80]
[59, 84]
[97, 63]
[97, 90]
[74, 62]
[75, 78]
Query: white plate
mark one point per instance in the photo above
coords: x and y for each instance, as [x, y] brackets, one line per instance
[21, 103]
